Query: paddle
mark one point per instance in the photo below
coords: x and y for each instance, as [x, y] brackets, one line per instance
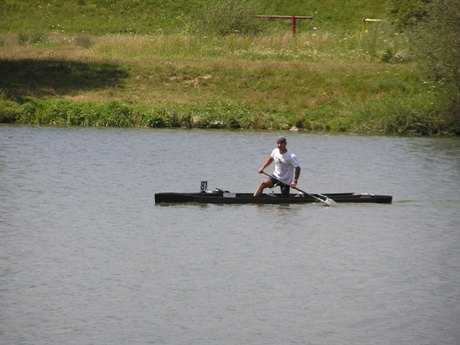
[327, 201]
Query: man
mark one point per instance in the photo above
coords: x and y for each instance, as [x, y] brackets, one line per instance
[286, 165]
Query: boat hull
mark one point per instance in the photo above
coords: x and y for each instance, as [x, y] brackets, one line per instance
[247, 198]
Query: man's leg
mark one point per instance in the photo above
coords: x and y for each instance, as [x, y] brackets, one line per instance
[285, 190]
[264, 184]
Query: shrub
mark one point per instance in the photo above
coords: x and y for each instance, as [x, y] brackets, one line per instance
[436, 40]
[115, 114]
[409, 12]
[7, 111]
[154, 119]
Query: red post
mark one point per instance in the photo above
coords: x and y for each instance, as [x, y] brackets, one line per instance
[292, 18]
[294, 26]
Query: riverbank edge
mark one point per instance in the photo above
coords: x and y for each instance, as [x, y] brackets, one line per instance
[62, 112]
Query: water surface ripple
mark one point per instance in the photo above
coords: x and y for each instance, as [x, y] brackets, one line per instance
[87, 258]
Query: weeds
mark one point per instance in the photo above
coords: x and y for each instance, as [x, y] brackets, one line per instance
[228, 17]
[25, 36]
[83, 41]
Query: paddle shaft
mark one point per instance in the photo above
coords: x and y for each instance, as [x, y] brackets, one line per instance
[313, 196]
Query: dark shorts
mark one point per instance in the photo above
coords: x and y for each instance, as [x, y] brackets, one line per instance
[285, 189]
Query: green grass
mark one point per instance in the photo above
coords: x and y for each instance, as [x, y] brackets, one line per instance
[80, 63]
[168, 16]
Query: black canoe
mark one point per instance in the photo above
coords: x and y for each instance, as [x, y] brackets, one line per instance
[221, 197]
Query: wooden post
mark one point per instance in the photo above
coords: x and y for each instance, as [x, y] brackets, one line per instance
[292, 18]
[294, 26]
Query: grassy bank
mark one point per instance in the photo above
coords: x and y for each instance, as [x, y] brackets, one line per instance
[357, 80]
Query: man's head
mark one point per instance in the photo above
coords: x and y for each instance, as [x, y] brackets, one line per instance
[281, 143]
[281, 140]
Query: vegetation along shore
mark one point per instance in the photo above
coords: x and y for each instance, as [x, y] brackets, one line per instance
[208, 64]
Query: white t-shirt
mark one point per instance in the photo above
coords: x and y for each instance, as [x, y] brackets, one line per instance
[284, 165]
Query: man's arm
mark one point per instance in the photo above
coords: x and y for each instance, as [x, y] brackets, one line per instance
[266, 164]
[296, 177]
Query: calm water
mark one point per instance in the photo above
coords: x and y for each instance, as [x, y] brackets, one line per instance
[87, 258]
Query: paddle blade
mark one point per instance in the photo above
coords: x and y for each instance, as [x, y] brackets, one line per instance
[324, 200]
[330, 202]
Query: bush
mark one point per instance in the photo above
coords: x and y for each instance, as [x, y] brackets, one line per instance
[436, 40]
[115, 114]
[7, 111]
[409, 12]
[153, 119]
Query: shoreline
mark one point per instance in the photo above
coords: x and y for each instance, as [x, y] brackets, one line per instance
[182, 80]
